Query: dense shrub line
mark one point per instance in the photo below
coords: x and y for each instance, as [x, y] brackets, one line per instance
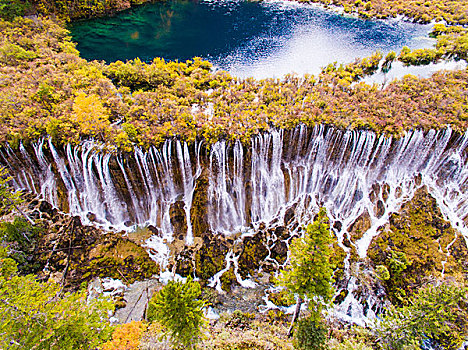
[47, 89]
[64, 9]
[451, 11]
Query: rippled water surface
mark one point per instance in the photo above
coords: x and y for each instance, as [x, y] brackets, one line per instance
[248, 38]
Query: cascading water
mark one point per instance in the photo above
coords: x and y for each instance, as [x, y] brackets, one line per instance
[226, 190]
[346, 171]
[350, 172]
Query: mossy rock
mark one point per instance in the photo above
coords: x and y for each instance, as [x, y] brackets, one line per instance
[360, 226]
[178, 220]
[210, 258]
[413, 247]
[184, 263]
[198, 212]
[118, 258]
[279, 252]
[89, 252]
[228, 279]
[253, 253]
[338, 255]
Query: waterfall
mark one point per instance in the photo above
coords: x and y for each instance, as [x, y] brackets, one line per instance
[46, 180]
[350, 172]
[226, 192]
[268, 189]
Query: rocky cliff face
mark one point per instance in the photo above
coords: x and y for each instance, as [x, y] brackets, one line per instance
[72, 253]
[227, 212]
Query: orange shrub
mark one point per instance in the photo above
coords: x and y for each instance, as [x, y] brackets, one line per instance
[126, 336]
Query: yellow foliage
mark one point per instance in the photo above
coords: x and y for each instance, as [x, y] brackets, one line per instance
[123, 142]
[126, 337]
[89, 113]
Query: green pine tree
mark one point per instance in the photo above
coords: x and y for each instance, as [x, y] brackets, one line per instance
[179, 309]
[309, 272]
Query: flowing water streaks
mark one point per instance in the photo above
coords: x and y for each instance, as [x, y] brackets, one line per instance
[350, 172]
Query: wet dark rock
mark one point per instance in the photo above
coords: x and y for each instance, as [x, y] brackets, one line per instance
[337, 225]
[281, 232]
[33, 204]
[154, 230]
[346, 241]
[418, 179]
[279, 252]
[341, 296]
[35, 215]
[45, 207]
[374, 193]
[379, 209]
[253, 253]
[91, 217]
[289, 215]
[385, 192]
[287, 183]
[178, 218]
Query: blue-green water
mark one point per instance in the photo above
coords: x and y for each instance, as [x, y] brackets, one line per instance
[248, 38]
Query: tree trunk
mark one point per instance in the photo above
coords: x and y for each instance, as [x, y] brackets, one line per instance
[295, 316]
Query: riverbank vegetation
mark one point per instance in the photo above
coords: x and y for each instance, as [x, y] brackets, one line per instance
[38, 315]
[451, 11]
[46, 89]
[65, 9]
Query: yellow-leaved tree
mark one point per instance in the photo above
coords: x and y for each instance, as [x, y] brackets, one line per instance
[90, 114]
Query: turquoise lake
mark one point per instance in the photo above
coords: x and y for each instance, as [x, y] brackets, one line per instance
[247, 38]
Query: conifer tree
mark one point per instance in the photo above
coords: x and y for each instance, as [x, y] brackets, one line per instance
[178, 308]
[309, 271]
